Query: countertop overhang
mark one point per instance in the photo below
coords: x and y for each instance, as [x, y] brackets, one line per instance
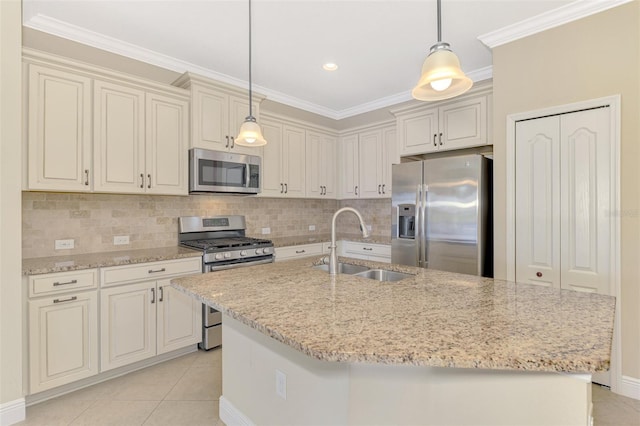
[434, 318]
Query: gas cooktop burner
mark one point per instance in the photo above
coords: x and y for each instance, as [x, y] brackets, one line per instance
[224, 243]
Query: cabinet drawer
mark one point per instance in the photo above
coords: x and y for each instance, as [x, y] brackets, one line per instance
[295, 252]
[149, 271]
[61, 282]
[365, 249]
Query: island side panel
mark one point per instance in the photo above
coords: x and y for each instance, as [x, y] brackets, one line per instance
[320, 392]
[316, 391]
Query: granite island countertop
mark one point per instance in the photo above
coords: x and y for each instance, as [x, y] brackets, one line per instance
[434, 318]
[298, 240]
[74, 262]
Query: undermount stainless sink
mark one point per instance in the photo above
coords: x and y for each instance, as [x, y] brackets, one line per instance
[344, 268]
[364, 272]
[383, 275]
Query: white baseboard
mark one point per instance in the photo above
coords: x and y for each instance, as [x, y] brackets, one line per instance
[629, 387]
[231, 416]
[12, 412]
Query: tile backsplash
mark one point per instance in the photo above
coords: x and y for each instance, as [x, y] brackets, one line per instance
[92, 220]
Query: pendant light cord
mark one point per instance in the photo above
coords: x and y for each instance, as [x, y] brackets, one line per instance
[439, 23]
[250, 84]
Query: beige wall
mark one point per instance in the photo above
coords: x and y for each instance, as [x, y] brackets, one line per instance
[594, 57]
[11, 314]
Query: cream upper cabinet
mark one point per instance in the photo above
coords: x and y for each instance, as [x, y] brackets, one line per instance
[140, 141]
[217, 112]
[91, 129]
[283, 160]
[321, 165]
[453, 125]
[59, 130]
[167, 144]
[366, 163]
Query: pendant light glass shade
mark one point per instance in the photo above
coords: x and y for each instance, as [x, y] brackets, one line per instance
[441, 76]
[250, 134]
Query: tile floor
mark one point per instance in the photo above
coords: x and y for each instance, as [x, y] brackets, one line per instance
[185, 391]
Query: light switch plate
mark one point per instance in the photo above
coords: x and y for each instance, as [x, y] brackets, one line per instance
[266, 231]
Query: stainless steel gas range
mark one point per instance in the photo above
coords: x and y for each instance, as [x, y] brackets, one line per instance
[224, 245]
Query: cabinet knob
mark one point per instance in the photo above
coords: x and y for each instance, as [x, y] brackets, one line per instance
[538, 274]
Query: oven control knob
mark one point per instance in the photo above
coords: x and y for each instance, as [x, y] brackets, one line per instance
[227, 255]
[266, 250]
[219, 256]
[243, 253]
[259, 251]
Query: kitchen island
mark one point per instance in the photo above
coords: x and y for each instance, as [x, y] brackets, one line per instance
[302, 347]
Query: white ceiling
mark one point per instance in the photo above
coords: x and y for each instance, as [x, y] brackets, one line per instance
[378, 45]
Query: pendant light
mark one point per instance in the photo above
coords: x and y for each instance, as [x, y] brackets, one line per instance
[250, 133]
[441, 77]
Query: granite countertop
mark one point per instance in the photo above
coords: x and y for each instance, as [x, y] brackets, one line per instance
[325, 238]
[434, 318]
[45, 265]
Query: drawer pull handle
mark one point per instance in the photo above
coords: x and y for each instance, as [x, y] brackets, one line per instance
[71, 299]
[57, 283]
[151, 271]
[300, 251]
[367, 248]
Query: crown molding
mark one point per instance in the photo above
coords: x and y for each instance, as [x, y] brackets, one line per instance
[72, 32]
[551, 19]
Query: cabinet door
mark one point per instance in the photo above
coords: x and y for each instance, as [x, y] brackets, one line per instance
[389, 157]
[119, 148]
[209, 118]
[272, 181]
[59, 138]
[63, 340]
[293, 161]
[370, 160]
[166, 145]
[328, 175]
[538, 201]
[417, 132]
[314, 165]
[128, 324]
[349, 170]
[585, 185]
[179, 319]
[463, 124]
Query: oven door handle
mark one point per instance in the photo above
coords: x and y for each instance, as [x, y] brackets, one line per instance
[213, 268]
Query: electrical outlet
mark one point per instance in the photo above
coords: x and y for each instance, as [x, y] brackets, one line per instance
[368, 227]
[65, 244]
[312, 227]
[266, 231]
[120, 240]
[281, 384]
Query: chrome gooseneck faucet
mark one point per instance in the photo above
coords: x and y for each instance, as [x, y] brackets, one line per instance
[333, 256]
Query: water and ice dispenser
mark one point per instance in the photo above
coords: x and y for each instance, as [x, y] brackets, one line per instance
[407, 221]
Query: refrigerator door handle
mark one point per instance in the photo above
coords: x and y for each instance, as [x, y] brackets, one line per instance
[423, 227]
[418, 225]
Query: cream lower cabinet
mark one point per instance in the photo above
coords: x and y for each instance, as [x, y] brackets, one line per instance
[366, 251]
[146, 318]
[63, 329]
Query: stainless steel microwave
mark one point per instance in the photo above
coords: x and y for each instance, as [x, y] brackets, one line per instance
[223, 172]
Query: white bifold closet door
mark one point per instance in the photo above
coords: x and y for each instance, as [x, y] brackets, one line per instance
[563, 194]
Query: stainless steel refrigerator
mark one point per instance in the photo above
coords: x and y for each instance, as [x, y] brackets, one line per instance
[442, 214]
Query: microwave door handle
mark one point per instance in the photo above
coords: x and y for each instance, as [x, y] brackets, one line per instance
[246, 175]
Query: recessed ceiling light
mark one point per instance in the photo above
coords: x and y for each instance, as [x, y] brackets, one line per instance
[330, 66]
